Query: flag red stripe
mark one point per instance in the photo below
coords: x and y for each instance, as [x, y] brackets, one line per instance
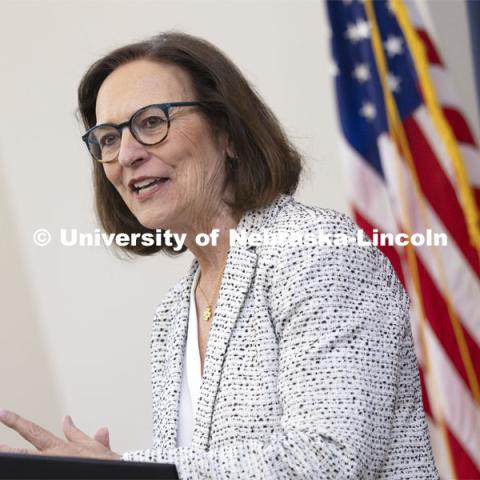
[426, 400]
[390, 252]
[439, 191]
[465, 469]
[432, 54]
[459, 126]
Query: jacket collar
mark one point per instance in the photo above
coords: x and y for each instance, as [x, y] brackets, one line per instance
[237, 277]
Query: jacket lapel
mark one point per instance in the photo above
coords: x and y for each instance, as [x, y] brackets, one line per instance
[237, 277]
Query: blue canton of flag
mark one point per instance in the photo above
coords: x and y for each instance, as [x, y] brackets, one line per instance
[359, 92]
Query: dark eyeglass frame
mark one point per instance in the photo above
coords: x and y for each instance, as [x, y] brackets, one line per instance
[165, 107]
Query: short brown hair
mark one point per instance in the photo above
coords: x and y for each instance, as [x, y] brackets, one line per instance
[266, 164]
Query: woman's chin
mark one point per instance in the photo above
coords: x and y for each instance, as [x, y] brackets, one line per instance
[153, 222]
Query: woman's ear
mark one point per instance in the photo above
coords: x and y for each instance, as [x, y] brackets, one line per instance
[225, 143]
[229, 150]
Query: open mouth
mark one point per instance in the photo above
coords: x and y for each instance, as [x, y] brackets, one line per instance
[148, 184]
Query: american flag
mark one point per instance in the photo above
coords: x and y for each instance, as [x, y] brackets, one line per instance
[411, 164]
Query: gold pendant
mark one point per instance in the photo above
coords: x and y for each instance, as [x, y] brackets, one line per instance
[207, 313]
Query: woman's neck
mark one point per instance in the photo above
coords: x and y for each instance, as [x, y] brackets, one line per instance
[211, 257]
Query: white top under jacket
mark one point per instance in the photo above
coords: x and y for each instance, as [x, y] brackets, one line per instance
[191, 376]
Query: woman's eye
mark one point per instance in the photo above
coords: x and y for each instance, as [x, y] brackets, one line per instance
[108, 140]
[152, 122]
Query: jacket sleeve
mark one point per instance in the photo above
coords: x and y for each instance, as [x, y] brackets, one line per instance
[342, 325]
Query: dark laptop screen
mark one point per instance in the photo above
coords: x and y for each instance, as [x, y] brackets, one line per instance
[42, 467]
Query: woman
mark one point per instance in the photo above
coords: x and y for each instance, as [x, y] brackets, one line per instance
[269, 360]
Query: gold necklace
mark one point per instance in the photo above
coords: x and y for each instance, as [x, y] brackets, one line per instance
[207, 313]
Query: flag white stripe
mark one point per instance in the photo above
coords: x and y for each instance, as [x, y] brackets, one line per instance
[436, 143]
[439, 450]
[419, 15]
[444, 88]
[366, 190]
[471, 156]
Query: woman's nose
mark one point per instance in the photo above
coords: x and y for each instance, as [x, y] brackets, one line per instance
[131, 151]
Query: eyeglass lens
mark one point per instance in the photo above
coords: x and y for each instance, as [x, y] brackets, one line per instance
[149, 126]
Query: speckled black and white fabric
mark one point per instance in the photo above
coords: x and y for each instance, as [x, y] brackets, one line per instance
[310, 370]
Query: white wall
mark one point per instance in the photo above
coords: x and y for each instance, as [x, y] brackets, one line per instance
[75, 322]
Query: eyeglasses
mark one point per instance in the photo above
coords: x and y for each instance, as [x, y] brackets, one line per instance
[149, 126]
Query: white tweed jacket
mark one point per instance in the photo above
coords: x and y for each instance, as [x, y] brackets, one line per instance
[310, 370]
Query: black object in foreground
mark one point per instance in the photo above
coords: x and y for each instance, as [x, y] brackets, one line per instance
[14, 465]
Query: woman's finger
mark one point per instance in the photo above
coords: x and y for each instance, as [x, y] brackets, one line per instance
[7, 449]
[73, 433]
[33, 433]
[103, 436]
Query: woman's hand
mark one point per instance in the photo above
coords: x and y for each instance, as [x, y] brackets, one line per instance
[75, 444]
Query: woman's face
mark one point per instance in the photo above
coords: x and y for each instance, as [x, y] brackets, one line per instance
[187, 161]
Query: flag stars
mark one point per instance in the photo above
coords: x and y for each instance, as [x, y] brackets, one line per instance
[368, 111]
[363, 29]
[351, 32]
[333, 69]
[393, 46]
[361, 72]
[358, 31]
[393, 82]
